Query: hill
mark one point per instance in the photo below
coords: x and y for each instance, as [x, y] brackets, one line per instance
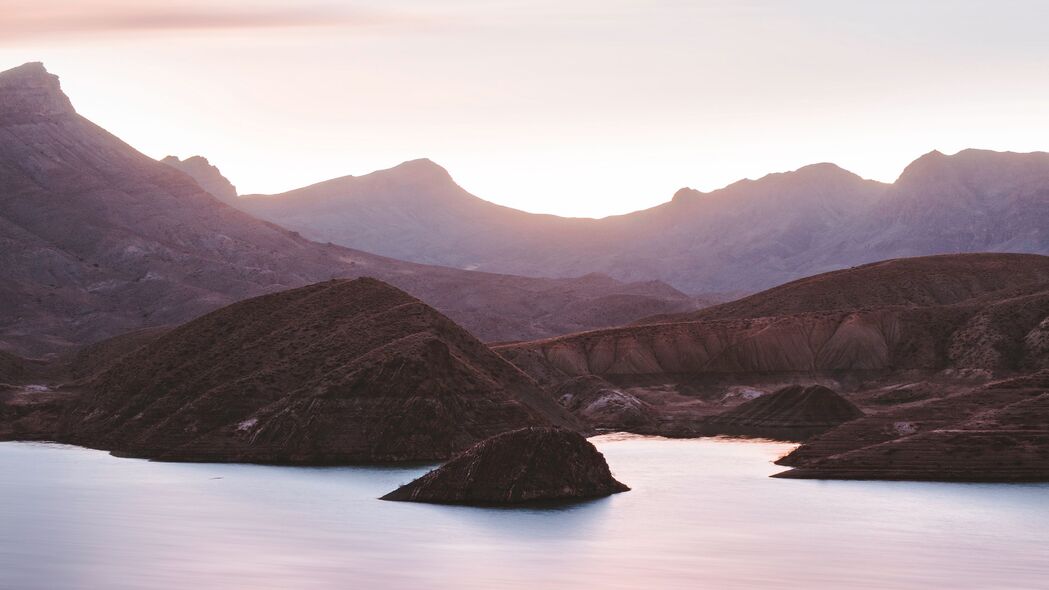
[344, 371]
[526, 465]
[997, 432]
[903, 282]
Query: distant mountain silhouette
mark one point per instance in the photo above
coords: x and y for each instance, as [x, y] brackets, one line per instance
[97, 239]
[207, 176]
[748, 236]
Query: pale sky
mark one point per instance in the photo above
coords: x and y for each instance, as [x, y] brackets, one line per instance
[586, 107]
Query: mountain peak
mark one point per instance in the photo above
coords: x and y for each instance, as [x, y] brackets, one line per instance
[29, 94]
[684, 194]
[206, 175]
[422, 169]
[823, 169]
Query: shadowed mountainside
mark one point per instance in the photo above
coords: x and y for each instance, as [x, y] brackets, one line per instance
[97, 239]
[336, 372]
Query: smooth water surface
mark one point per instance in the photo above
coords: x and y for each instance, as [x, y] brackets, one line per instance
[702, 514]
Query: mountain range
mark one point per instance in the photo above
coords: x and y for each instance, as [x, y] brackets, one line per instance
[97, 239]
[925, 367]
[746, 237]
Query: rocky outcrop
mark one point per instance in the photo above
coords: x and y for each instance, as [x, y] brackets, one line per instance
[1036, 346]
[29, 94]
[601, 405]
[527, 465]
[332, 373]
[208, 177]
[795, 413]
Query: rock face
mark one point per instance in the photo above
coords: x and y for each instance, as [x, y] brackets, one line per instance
[998, 432]
[96, 240]
[332, 373]
[794, 412]
[30, 95]
[601, 405]
[207, 176]
[527, 465]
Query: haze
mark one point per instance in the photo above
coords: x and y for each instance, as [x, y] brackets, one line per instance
[589, 108]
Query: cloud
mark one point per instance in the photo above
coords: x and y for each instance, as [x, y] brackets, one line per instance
[24, 19]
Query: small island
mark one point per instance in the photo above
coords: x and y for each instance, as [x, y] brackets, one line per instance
[525, 465]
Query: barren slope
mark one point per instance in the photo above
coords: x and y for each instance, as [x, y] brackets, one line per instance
[337, 372]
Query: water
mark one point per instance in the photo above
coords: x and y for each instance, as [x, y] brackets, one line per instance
[702, 514]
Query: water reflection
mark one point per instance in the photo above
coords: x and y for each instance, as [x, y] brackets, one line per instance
[701, 514]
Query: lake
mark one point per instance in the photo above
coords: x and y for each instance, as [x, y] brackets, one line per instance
[702, 514]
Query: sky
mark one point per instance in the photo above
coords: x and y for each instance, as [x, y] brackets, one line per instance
[572, 107]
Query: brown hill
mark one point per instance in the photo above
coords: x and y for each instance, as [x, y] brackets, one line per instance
[336, 372]
[976, 311]
[997, 432]
[795, 412]
[527, 465]
[97, 239]
[905, 282]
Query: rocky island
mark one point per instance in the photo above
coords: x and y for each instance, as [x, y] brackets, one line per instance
[526, 465]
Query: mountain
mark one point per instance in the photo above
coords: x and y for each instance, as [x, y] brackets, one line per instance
[97, 239]
[416, 212]
[207, 176]
[749, 236]
[974, 201]
[682, 242]
[343, 371]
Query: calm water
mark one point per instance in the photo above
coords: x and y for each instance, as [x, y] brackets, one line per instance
[702, 514]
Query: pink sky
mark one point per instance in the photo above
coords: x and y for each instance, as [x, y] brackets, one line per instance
[578, 108]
